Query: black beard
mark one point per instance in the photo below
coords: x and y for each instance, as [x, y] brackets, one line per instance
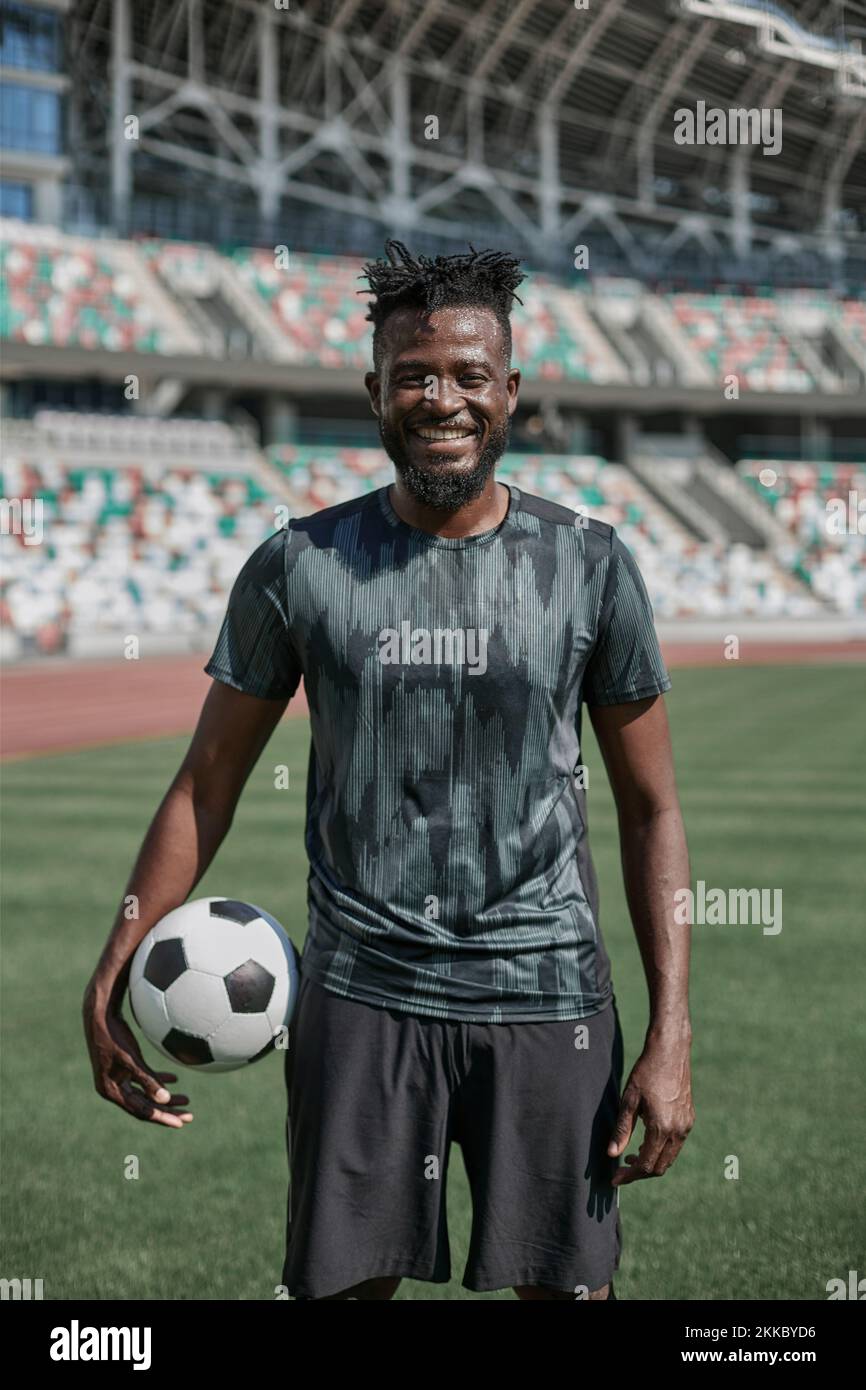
[437, 488]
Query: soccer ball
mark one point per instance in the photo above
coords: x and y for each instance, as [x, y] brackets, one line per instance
[214, 984]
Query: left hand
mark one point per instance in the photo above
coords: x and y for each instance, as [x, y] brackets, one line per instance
[659, 1092]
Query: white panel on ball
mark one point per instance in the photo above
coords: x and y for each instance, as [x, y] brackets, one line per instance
[197, 1003]
[216, 946]
[265, 946]
[179, 921]
[240, 1038]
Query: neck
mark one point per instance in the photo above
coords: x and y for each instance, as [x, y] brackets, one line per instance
[485, 513]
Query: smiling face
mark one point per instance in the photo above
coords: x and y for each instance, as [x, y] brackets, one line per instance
[444, 397]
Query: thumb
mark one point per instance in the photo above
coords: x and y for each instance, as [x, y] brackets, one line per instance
[624, 1127]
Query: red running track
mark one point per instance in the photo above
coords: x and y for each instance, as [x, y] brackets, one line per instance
[52, 707]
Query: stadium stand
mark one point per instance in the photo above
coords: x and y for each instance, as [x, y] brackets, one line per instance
[556, 340]
[821, 507]
[740, 335]
[147, 546]
[60, 291]
[317, 477]
[313, 302]
[149, 519]
[159, 297]
[316, 304]
[147, 523]
[71, 299]
[685, 577]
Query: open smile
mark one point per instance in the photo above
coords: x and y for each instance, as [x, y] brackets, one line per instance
[433, 436]
[443, 432]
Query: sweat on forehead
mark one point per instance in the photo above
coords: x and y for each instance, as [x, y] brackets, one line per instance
[452, 330]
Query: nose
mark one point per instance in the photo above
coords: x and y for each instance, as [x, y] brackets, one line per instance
[448, 398]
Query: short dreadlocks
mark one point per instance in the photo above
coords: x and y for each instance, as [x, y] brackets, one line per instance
[486, 278]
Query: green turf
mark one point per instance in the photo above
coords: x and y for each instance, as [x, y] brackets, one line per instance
[770, 768]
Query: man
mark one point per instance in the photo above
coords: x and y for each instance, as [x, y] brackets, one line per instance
[454, 983]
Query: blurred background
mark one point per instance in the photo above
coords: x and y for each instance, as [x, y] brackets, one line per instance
[188, 191]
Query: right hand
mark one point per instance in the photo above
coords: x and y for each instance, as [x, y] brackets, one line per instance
[121, 1074]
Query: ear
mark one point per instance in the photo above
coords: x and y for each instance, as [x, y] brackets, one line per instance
[512, 387]
[373, 384]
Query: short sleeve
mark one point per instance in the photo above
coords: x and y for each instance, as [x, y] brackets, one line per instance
[254, 651]
[626, 662]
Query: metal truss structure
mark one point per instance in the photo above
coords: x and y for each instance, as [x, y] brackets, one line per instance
[547, 124]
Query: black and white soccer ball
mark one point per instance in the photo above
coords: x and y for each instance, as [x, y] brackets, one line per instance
[213, 985]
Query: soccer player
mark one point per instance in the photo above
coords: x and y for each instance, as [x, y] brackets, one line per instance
[449, 630]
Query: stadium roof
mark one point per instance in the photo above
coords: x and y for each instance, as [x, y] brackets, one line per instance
[556, 126]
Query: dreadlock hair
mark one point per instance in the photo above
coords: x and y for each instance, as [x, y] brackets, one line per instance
[485, 278]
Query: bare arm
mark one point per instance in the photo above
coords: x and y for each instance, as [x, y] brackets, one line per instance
[635, 743]
[183, 837]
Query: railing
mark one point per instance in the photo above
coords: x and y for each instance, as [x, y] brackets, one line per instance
[791, 448]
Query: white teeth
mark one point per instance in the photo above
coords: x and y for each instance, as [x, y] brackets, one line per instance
[443, 433]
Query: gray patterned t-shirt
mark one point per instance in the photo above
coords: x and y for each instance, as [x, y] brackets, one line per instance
[450, 872]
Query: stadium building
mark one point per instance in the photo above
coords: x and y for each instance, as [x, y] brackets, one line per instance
[188, 189]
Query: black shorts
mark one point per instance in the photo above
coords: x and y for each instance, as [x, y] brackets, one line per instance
[375, 1098]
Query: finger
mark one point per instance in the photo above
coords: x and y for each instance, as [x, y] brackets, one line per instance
[129, 1098]
[625, 1122]
[148, 1080]
[625, 1175]
[170, 1105]
[668, 1154]
[642, 1164]
[173, 1100]
[143, 1108]
[134, 1102]
[654, 1141]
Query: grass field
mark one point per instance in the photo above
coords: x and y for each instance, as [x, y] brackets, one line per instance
[770, 764]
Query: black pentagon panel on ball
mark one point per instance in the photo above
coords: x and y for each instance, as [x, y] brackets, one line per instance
[249, 987]
[234, 911]
[192, 1052]
[166, 963]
